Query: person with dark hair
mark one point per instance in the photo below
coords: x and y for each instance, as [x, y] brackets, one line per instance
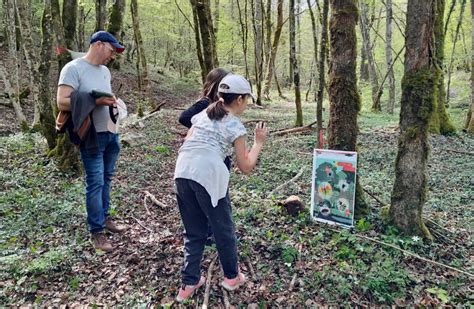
[85, 90]
[202, 180]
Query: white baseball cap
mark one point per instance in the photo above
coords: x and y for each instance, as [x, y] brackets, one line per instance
[237, 84]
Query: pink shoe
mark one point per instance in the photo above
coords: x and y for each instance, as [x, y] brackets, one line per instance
[233, 284]
[186, 291]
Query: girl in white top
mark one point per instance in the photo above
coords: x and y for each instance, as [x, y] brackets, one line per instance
[202, 181]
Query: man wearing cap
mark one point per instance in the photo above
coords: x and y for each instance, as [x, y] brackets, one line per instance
[77, 80]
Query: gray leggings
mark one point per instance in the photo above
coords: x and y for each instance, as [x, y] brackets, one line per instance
[197, 213]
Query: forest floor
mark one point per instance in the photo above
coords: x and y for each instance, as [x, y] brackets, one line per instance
[47, 260]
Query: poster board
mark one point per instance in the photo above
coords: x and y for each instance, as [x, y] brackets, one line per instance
[333, 186]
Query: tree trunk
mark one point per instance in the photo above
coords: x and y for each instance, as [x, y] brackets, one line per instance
[257, 21]
[388, 56]
[364, 67]
[208, 40]
[48, 124]
[69, 23]
[100, 14]
[417, 105]
[440, 122]
[343, 95]
[11, 77]
[115, 26]
[365, 30]
[81, 18]
[216, 17]
[268, 33]
[141, 57]
[22, 13]
[469, 126]
[451, 10]
[456, 36]
[315, 46]
[273, 53]
[323, 51]
[294, 65]
[65, 151]
[197, 38]
[244, 33]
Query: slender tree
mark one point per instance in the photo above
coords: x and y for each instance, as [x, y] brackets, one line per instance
[100, 14]
[440, 122]
[315, 45]
[343, 95]
[294, 65]
[365, 30]
[273, 53]
[323, 52]
[417, 106]
[244, 33]
[141, 57]
[11, 78]
[70, 23]
[469, 126]
[46, 108]
[388, 56]
[257, 22]
[115, 26]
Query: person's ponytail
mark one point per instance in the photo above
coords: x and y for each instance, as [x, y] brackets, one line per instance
[216, 110]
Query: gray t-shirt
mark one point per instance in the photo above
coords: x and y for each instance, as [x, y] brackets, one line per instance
[84, 77]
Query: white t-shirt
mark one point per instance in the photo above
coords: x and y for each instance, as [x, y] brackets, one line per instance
[201, 157]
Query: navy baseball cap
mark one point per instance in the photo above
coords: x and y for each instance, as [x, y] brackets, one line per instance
[104, 36]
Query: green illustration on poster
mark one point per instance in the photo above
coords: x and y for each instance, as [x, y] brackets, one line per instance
[333, 186]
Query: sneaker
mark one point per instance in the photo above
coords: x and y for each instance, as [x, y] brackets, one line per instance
[233, 284]
[186, 291]
[100, 242]
[114, 227]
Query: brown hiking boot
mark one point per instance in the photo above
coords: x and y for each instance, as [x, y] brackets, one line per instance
[100, 242]
[114, 227]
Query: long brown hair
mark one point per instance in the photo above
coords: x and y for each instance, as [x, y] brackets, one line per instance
[211, 84]
[216, 110]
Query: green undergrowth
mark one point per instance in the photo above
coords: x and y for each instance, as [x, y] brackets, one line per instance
[44, 238]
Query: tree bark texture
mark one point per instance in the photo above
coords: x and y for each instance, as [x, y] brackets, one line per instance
[100, 14]
[197, 38]
[48, 124]
[115, 26]
[268, 32]
[343, 95]
[440, 122]
[323, 52]
[257, 21]
[69, 23]
[294, 65]
[206, 30]
[141, 57]
[64, 57]
[22, 13]
[273, 53]
[244, 33]
[469, 126]
[388, 56]
[364, 67]
[11, 77]
[315, 46]
[417, 106]
[81, 18]
[365, 30]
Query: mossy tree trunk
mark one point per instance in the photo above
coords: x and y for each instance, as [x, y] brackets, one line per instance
[100, 14]
[440, 122]
[69, 23]
[323, 52]
[115, 26]
[294, 65]
[65, 151]
[419, 86]
[388, 56]
[343, 95]
[469, 126]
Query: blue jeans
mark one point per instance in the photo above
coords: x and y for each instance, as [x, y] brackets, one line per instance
[197, 213]
[100, 168]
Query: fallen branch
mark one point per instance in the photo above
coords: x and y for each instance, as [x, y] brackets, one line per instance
[255, 120]
[176, 131]
[293, 130]
[292, 283]
[139, 223]
[151, 114]
[225, 296]
[411, 254]
[286, 183]
[205, 302]
[459, 151]
[144, 204]
[374, 197]
[154, 200]
[252, 272]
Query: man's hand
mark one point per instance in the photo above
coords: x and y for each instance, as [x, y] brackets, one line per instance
[105, 101]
